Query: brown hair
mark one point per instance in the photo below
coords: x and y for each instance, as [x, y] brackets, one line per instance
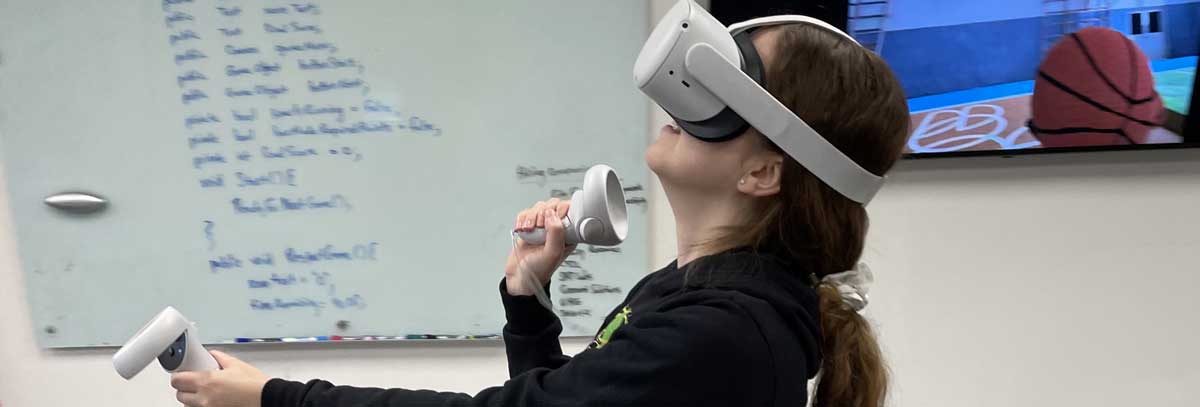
[850, 96]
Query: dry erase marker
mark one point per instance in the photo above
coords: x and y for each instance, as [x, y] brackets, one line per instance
[306, 339]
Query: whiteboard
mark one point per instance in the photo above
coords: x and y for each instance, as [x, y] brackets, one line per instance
[295, 169]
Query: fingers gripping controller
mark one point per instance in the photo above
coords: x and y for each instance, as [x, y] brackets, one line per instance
[171, 339]
[597, 216]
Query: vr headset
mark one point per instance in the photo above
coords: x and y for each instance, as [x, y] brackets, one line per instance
[709, 79]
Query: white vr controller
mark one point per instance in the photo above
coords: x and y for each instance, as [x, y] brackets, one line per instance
[597, 216]
[170, 338]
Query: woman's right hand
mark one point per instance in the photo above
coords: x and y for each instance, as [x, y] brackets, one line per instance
[539, 260]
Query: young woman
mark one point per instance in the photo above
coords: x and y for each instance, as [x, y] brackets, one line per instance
[744, 317]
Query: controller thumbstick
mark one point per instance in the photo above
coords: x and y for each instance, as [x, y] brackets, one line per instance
[591, 230]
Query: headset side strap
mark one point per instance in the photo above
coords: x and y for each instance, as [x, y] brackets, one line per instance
[725, 80]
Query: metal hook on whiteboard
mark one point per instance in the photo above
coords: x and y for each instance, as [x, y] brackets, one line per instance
[77, 202]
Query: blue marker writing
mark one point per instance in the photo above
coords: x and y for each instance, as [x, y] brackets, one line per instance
[232, 50]
[189, 55]
[181, 36]
[190, 76]
[178, 17]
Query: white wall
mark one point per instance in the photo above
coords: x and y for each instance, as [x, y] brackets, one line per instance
[1064, 280]
[1040, 281]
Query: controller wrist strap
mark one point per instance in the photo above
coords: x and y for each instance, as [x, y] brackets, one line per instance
[529, 280]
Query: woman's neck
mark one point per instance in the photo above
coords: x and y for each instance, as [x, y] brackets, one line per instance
[699, 219]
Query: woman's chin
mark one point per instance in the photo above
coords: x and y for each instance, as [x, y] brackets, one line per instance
[653, 159]
[661, 163]
[659, 153]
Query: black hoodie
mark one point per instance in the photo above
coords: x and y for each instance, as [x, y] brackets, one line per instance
[733, 329]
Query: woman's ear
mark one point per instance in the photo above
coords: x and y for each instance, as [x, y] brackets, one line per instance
[763, 176]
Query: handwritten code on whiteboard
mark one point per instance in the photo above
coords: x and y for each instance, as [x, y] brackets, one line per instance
[266, 86]
[313, 168]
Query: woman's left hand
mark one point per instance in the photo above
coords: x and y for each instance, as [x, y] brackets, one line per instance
[237, 384]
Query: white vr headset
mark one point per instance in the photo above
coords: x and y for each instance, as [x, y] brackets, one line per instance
[709, 79]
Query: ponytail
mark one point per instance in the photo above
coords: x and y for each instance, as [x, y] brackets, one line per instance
[853, 373]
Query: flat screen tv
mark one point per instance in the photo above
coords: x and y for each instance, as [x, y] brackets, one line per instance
[1008, 77]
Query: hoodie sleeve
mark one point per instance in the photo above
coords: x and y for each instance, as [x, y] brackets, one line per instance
[699, 354]
[531, 335]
